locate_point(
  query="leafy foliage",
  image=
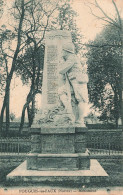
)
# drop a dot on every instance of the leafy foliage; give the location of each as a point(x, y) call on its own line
point(104, 68)
point(1, 7)
point(6, 37)
point(27, 62)
point(12, 116)
point(66, 20)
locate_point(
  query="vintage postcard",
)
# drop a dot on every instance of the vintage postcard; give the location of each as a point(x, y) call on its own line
point(61, 105)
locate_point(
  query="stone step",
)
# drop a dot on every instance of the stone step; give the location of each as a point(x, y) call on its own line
point(95, 174)
point(58, 161)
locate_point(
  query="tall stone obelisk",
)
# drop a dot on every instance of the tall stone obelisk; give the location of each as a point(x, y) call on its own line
point(53, 52)
point(54, 42)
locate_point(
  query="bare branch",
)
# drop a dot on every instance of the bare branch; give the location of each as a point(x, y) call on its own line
point(32, 14)
point(109, 18)
point(22, 47)
point(18, 43)
point(13, 27)
point(30, 38)
point(43, 9)
point(46, 25)
point(28, 21)
point(11, 50)
point(100, 18)
point(17, 8)
point(44, 31)
point(9, 56)
point(35, 5)
point(6, 63)
point(27, 3)
point(117, 13)
point(52, 11)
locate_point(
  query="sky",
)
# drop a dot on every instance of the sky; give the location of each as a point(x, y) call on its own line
point(89, 26)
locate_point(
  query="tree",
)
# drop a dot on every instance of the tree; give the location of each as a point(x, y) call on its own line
point(19, 13)
point(65, 20)
point(30, 66)
point(104, 68)
point(33, 58)
point(115, 22)
point(6, 36)
point(24, 35)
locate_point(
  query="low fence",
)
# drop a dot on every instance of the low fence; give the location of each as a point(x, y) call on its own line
point(15, 145)
point(98, 142)
point(105, 141)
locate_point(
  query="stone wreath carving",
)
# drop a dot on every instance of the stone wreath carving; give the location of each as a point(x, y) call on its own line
point(55, 116)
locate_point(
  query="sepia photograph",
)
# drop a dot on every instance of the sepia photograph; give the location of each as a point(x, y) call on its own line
point(61, 97)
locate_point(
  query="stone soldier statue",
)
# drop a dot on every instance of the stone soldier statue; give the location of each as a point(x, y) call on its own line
point(73, 80)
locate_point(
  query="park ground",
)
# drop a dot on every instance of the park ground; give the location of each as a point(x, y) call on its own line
point(112, 166)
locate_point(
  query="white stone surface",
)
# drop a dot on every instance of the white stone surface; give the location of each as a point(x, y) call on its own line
point(95, 170)
point(64, 88)
point(53, 51)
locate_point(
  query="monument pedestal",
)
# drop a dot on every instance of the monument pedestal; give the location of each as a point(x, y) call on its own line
point(58, 162)
point(58, 157)
point(58, 148)
point(22, 176)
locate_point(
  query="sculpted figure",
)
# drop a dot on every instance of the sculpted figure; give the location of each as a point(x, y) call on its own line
point(73, 80)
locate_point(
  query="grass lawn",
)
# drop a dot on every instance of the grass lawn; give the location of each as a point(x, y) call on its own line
point(112, 166)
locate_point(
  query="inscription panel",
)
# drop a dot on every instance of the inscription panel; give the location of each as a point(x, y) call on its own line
point(57, 163)
point(57, 143)
point(52, 68)
point(53, 52)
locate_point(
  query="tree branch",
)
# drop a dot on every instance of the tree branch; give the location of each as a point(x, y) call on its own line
point(29, 72)
point(27, 3)
point(100, 46)
point(6, 63)
point(44, 31)
point(17, 8)
point(100, 18)
point(117, 13)
point(113, 21)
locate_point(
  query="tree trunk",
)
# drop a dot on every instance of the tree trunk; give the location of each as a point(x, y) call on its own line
point(5, 105)
point(2, 115)
point(9, 78)
point(116, 122)
point(29, 99)
point(22, 117)
point(7, 108)
point(31, 112)
point(122, 75)
point(116, 108)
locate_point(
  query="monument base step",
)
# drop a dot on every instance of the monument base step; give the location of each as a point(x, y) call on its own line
point(22, 175)
point(69, 161)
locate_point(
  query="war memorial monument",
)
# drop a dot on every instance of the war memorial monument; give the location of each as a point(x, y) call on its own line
point(58, 134)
